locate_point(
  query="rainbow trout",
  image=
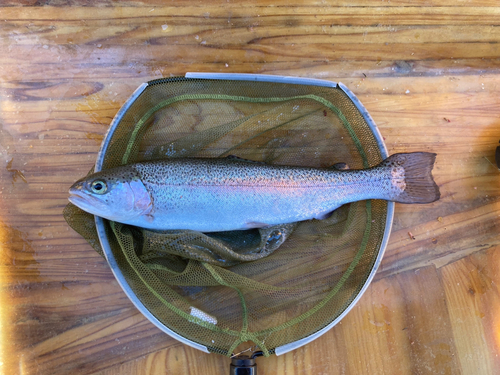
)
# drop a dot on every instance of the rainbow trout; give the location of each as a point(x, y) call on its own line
point(210, 195)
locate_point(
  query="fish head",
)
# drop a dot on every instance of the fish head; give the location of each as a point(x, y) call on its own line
point(116, 194)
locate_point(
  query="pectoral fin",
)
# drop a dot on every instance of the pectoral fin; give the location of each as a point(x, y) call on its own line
point(340, 166)
point(256, 224)
point(324, 215)
point(237, 158)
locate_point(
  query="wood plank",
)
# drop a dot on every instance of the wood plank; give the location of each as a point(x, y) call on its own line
point(396, 15)
point(468, 285)
point(257, 3)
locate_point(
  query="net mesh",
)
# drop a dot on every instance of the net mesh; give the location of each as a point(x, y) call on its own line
point(272, 286)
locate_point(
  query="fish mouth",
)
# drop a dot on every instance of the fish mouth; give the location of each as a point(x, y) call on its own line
point(84, 201)
point(91, 204)
point(79, 201)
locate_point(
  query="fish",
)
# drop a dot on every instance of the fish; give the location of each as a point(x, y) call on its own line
point(225, 194)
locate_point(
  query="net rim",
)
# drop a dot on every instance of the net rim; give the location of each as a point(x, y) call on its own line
point(241, 77)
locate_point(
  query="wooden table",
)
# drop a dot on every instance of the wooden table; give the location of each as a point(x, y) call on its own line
point(428, 75)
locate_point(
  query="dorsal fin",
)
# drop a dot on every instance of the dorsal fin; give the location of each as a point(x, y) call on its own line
point(237, 158)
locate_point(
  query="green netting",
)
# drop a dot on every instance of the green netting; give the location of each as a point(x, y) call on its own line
point(272, 286)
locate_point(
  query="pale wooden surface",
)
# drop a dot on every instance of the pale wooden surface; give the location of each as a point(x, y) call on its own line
point(434, 307)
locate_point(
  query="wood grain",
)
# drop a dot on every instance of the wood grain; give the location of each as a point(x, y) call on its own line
point(428, 75)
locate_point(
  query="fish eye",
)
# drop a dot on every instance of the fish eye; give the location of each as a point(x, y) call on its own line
point(99, 187)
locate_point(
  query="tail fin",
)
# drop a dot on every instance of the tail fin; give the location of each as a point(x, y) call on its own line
point(419, 184)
